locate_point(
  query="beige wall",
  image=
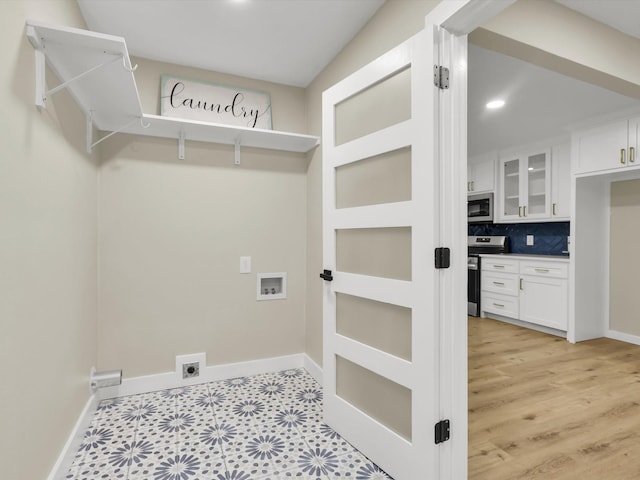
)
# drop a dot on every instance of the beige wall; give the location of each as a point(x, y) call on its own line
point(172, 233)
point(47, 253)
point(288, 103)
point(624, 258)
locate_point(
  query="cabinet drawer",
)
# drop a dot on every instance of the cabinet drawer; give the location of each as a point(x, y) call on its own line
point(544, 269)
point(497, 283)
point(499, 265)
point(499, 304)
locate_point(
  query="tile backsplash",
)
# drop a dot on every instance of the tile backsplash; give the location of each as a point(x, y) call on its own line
point(549, 238)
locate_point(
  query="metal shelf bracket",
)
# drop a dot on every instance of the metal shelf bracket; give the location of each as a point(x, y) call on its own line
point(237, 152)
point(41, 56)
point(181, 146)
point(89, 140)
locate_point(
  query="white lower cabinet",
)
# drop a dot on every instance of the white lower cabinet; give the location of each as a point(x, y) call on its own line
point(530, 290)
point(543, 301)
point(499, 286)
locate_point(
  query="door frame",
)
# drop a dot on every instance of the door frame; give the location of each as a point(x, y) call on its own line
point(459, 18)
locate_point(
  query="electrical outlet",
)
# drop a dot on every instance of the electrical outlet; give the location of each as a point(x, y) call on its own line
point(190, 370)
point(530, 240)
point(188, 366)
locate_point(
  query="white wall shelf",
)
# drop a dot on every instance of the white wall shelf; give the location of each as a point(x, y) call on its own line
point(169, 127)
point(96, 70)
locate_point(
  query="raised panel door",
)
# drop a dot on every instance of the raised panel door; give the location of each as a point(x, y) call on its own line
point(544, 301)
point(602, 148)
point(481, 174)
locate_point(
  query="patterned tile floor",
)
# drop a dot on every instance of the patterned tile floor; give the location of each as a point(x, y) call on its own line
point(264, 427)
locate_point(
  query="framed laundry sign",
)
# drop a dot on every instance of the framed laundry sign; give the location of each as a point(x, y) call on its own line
point(208, 102)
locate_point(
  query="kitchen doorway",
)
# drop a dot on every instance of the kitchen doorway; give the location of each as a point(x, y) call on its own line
point(517, 374)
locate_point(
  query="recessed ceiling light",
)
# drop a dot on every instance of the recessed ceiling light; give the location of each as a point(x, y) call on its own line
point(493, 104)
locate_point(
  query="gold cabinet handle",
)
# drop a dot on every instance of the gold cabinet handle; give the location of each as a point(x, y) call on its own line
point(622, 155)
point(499, 283)
point(498, 266)
point(553, 209)
point(542, 270)
point(521, 285)
point(632, 154)
point(524, 211)
point(519, 211)
point(498, 305)
point(468, 186)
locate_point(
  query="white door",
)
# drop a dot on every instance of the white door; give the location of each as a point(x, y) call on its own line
point(382, 219)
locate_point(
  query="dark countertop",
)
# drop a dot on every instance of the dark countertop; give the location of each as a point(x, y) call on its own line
point(556, 258)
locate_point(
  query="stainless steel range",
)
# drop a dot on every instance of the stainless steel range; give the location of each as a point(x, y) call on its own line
point(475, 246)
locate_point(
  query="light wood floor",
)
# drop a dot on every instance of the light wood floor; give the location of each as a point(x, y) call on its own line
point(542, 408)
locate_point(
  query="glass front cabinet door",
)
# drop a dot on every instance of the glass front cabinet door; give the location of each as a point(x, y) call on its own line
point(525, 187)
point(511, 188)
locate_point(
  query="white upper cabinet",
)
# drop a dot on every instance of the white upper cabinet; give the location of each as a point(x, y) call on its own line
point(481, 173)
point(607, 147)
point(524, 187)
point(561, 182)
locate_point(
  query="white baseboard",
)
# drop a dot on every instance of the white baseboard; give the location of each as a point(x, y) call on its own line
point(65, 459)
point(162, 381)
point(623, 337)
point(530, 326)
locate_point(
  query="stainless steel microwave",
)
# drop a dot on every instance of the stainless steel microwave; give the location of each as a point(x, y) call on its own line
point(480, 208)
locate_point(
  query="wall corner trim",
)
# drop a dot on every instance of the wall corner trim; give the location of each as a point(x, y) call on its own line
point(65, 459)
point(313, 368)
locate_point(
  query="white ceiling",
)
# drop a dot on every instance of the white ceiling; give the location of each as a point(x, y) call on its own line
point(291, 41)
point(540, 103)
point(282, 41)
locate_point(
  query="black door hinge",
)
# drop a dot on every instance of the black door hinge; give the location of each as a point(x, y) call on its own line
point(441, 77)
point(326, 275)
point(443, 257)
point(442, 431)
